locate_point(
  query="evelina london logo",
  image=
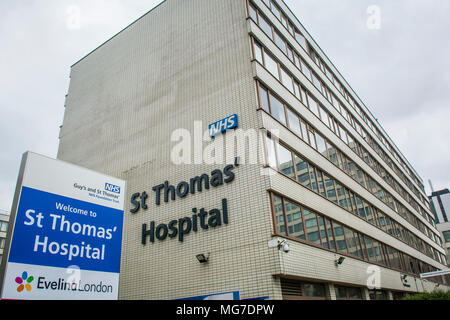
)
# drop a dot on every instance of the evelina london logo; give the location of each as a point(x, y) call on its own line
point(24, 282)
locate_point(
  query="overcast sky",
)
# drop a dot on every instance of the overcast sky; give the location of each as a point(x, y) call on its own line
point(399, 67)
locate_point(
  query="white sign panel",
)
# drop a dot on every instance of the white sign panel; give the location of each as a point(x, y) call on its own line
point(67, 234)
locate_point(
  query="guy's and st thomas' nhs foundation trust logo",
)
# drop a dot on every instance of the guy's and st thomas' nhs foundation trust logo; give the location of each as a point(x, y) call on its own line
point(112, 188)
point(24, 282)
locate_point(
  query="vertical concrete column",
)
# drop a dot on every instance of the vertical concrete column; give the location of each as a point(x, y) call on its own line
point(390, 296)
point(365, 293)
point(331, 292)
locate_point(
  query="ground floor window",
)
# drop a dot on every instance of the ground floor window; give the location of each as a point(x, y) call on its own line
point(298, 290)
point(348, 293)
point(378, 295)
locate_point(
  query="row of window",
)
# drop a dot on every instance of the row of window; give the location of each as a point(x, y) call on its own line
point(290, 83)
point(295, 167)
point(297, 222)
point(289, 118)
point(290, 27)
point(293, 290)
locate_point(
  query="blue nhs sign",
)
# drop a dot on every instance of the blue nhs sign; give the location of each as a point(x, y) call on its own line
point(112, 188)
point(223, 125)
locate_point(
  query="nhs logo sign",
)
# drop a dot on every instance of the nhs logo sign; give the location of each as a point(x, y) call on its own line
point(112, 188)
point(223, 125)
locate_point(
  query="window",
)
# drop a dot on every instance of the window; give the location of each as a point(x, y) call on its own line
point(301, 40)
point(2, 243)
point(294, 123)
point(351, 244)
point(313, 105)
point(285, 161)
point(258, 53)
point(339, 236)
point(287, 80)
point(278, 215)
point(377, 295)
point(271, 159)
point(304, 131)
point(280, 42)
point(311, 227)
point(305, 69)
point(315, 290)
point(445, 233)
point(321, 146)
point(264, 96)
point(271, 65)
point(323, 232)
point(295, 290)
point(277, 109)
point(302, 171)
point(329, 187)
point(265, 26)
point(3, 226)
point(253, 13)
point(294, 220)
point(348, 293)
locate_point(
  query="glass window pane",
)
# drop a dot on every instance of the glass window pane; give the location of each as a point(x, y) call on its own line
point(330, 190)
point(258, 53)
point(278, 215)
point(277, 109)
point(339, 236)
point(311, 227)
point(341, 292)
point(253, 13)
point(354, 293)
point(313, 105)
point(341, 195)
point(312, 141)
point(285, 161)
point(275, 11)
point(287, 80)
point(294, 123)
point(271, 158)
point(304, 96)
point(314, 290)
point(320, 183)
point(316, 82)
point(305, 70)
point(304, 131)
point(280, 42)
point(265, 26)
point(264, 96)
point(333, 156)
point(369, 249)
point(301, 40)
point(351, 244)
point(312, 175)
point(360, 207)
point(323, 233)
point(321, 146)
point(271, 65)
point(294, 220)
point(330, 234)
point(302, 171)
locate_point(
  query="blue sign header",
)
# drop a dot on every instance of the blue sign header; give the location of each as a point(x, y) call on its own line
point(57, 231)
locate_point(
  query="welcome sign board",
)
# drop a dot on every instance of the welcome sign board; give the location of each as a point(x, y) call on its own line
point(67, 233)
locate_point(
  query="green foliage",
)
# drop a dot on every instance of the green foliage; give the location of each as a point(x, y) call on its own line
point(435, 295)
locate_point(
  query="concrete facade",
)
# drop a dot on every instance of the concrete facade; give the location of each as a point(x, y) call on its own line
point(184, 65)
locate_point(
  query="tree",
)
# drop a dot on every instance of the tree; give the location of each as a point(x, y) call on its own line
point(435, 295)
